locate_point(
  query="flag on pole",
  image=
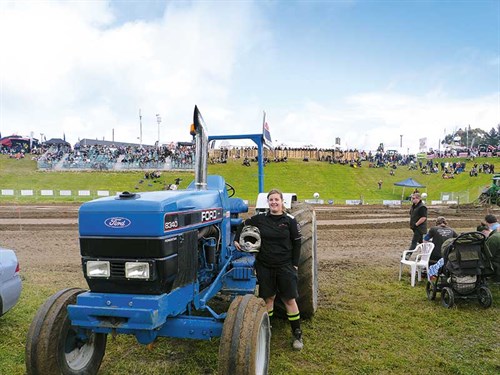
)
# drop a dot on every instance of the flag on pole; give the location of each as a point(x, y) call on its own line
point(266, 134)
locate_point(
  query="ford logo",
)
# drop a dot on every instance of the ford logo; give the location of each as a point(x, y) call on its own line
point(117, 222)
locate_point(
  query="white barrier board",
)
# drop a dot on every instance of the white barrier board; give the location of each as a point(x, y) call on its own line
point(353, 201)
point(388, 202)
point(314, 201)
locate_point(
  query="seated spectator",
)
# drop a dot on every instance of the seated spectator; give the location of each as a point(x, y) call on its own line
point(437, 235)
point(492, 247)
point(492, 222)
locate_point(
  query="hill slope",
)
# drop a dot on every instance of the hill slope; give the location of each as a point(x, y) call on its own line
point(332, 181)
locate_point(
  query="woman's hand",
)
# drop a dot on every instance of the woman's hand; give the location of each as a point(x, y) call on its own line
point(237, 245)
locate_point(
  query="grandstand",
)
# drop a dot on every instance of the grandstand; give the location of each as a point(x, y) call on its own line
point(90, 154)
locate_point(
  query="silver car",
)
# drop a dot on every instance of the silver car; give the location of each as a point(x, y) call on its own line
point(10, 280)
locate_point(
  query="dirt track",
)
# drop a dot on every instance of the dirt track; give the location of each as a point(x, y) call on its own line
point(46, 238)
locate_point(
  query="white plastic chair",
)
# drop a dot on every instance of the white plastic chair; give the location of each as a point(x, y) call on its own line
point(418, 260)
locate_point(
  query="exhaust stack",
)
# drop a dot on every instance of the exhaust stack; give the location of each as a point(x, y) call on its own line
point(198, 130)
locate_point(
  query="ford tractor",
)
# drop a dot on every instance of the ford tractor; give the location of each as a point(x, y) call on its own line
point(154, 262)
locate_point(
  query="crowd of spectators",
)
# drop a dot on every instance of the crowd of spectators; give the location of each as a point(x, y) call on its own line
point(105, 157)
point(181, 156)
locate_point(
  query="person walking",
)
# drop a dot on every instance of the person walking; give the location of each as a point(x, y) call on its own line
point(277, 261)
point(418, 220)
point(379, 184)
point(437, 235)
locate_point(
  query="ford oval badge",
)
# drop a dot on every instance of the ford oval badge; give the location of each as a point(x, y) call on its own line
point(117, 222)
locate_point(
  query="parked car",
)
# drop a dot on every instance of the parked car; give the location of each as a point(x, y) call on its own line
point(10, 280)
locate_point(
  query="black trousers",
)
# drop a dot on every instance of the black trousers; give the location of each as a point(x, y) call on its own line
point(416, 239)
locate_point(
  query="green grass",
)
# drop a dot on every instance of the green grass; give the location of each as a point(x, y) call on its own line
point(378, 327)
point(335, 182)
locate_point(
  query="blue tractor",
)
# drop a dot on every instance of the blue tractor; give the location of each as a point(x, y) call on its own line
point(153, 261)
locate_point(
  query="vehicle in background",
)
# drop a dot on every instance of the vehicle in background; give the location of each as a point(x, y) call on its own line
point(10, 280)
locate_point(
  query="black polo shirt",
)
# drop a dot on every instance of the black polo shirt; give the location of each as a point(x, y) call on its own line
point(280, 239)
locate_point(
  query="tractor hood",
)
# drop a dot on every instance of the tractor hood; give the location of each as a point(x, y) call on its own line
point(150, 214)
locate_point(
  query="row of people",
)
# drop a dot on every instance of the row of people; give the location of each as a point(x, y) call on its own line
point(441, 231)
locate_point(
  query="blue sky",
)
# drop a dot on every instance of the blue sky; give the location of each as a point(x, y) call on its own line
point(365, 71)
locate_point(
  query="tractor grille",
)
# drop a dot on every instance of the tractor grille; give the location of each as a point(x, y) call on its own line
point(173, 265)
point(117, 269)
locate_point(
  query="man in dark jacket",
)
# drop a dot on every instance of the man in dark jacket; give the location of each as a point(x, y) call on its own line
point(418, 220)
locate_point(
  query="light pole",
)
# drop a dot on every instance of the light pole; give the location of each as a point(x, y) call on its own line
point(158, 120)
point(140, 128)
point(401, 141)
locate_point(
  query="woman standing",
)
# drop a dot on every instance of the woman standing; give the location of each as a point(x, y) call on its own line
point(277, 261)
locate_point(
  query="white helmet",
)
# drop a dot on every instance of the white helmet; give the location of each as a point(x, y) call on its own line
point(250, 239)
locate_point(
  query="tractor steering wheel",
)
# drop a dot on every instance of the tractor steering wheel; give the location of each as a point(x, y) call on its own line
point(230, 190)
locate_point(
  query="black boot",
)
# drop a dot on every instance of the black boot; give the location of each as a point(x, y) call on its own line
point(297, 342)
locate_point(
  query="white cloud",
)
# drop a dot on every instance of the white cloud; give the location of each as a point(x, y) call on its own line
point(67, 71)
point(366, 120)
point(68, 68)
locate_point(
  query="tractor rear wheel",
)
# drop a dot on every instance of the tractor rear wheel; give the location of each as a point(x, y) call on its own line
point(308, 264)
point(53, 346)
point(246, 336)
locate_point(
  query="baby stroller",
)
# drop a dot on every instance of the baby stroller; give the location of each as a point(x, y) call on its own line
point(463, 271)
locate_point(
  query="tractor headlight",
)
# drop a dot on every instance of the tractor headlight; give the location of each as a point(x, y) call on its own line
point(137, 270)
point(98, 268)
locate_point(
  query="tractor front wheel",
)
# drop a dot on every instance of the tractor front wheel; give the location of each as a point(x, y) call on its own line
point(53, 346)
point(245, 339)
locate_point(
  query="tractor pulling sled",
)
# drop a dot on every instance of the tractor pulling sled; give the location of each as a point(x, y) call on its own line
point(153, 262)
